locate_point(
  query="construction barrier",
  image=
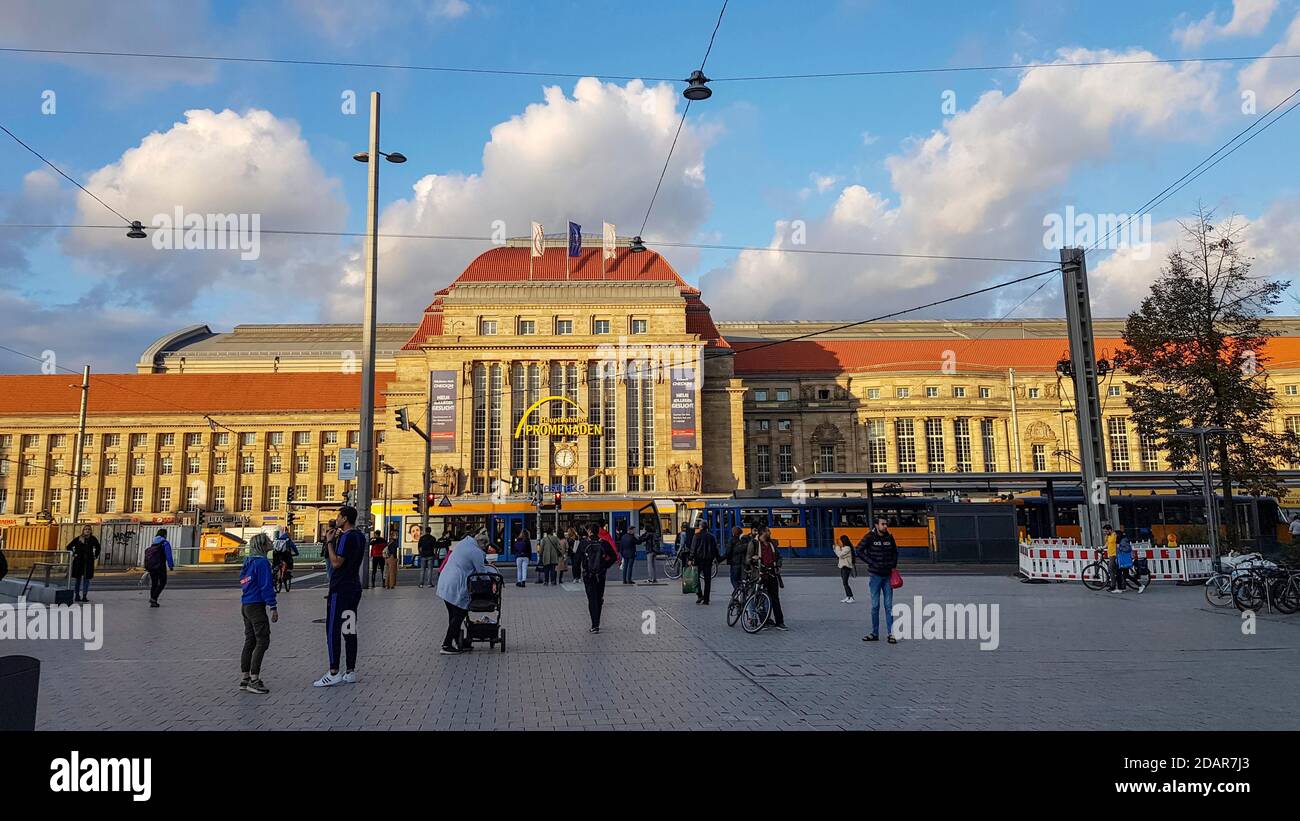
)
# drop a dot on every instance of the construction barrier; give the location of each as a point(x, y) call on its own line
point(1064, 560)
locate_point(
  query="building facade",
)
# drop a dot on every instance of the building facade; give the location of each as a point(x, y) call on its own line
point(595, 375)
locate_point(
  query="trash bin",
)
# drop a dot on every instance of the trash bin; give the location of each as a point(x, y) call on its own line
point(20, 679)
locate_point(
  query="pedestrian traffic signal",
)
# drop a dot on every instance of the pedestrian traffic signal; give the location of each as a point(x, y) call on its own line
point(403, 423)
point(559, 497)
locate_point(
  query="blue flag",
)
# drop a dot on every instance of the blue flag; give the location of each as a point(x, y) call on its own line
point(575, 239)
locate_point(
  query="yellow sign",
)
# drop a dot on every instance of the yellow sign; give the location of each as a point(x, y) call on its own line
point(556, 427)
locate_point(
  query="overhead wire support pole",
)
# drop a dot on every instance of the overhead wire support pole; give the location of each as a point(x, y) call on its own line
point(1087, 402)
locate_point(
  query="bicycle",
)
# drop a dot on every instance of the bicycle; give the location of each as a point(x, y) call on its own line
point(281, 577)
point(673, 567)
point(1096, 574)
point(758, 608)
point(736, 604)
point(1275, 586)
point(1218, 588)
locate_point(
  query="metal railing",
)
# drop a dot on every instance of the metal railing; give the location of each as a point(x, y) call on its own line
point(49, 568)
point(25, 559)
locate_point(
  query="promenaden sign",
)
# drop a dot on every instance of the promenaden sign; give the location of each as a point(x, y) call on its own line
point(570, 426)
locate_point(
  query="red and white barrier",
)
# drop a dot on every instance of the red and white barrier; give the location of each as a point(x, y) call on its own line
point(1064, 560)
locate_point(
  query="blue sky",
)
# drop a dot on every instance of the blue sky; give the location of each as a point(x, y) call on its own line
point(867, 163)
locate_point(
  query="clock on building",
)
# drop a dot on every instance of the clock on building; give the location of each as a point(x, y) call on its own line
point(565, 458)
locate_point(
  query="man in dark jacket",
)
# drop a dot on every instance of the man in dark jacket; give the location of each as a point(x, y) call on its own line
point(85, 552)
point(879, 550)
point(595, 557)
point(734, 555)
point(428, 547)
point(627, 545)
point(682, 547)
point(704, 552)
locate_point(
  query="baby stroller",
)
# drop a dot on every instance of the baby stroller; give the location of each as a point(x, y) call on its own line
point(484, 620)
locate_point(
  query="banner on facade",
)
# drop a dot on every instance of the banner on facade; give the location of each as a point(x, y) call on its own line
point(682, 408)
point(442, 406)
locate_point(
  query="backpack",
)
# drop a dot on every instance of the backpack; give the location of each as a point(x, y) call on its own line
point(154, 558)
point(593, 561)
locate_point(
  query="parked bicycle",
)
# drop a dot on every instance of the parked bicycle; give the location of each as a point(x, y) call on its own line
point(1275, 587)
point(1218, 588)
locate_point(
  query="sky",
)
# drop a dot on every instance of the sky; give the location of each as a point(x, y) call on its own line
point(973, 163)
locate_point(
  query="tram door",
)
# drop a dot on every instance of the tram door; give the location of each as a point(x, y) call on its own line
point(721, 521)
point(821, 528)
point(505, 528)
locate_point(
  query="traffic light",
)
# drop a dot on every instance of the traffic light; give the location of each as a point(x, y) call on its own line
point(559, 498)
point(430, 499)
point(288, 495)
point(200, 517)
point(403, 423)
point(415, 500)
point(516, 484)
point(289, 519)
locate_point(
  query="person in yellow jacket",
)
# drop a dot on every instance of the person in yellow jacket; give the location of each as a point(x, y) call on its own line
point(1112, 553)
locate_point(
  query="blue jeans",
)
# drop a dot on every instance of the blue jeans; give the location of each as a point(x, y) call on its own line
point(628, 563)
point(737, 576)
point(81, 586)
point(880, 584)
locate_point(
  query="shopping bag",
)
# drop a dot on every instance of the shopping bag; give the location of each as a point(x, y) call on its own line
point(691, 580)
point(895, 579)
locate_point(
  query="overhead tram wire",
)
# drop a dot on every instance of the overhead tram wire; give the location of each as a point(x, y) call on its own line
point(888, 72)
point(680, 123)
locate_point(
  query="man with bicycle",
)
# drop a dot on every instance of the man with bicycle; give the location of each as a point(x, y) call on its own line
point(763, 555)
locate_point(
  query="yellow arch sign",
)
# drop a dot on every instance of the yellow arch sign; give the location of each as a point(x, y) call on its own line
point(556, 427)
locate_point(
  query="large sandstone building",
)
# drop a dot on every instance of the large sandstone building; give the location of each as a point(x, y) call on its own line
point(655, 399)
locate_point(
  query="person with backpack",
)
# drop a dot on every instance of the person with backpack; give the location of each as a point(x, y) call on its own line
point(258, 594)
point(704, 550)
point(1123, 561)
point(844, 560)
point(85, 552)
point(522, 550)
point(378, 544)
point(880, 552)
point(596, 556)
point(549, 554)
point(347, 561)
point(428, 549)
point(282, 553)
point(763, 553)
point(157, 561)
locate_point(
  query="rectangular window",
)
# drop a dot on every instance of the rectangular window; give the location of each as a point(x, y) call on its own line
point(6, 441)
point(959, 393)
point(166, 440)
point(302, 463)
point(931, 393)
point(58, 440)
point(331, 465)
point(785, 463)
point(1117, 428)
point(112, 440)
point(276, 438)
point(765, 424)
point(873, 393)
point(990, 448)
point(1114, 390)
point(110, 500)
point(137, 466)
point(164, 500)
point(527, 327)
point(247, 439)
point(273, 497)
point(88, 442)
point(55, 505)
point(563, 327)
point(219, 465)
point(165, 466)
point(4, 500)
point(902, 393)
point(600, 326)
point(783, 424)
point(1291, 390)
point(1039, 454)
point(961, 434)
point(487, 327)
point(760, 396)
point(934, 445)
point(1149, 451)
point(327, 493)
point(300, 492)
point(29, 500)
point(29, 440)
point(302, 438)
point(331, 437)
point(1033, 393)
point(763, 455)
point(823, 394)
point(985, 393)
point(877, 446)
point(193, 440)
point(826, 459)
point(639, 326)
point(247, 464)
point(488, 386)
point(245, 498)
point(137, 500)
point(218, 500)
point(905, 442)
point(192, 465)
point(110, 466)
point(222, 439)
point(783, 395)
point(273, 464)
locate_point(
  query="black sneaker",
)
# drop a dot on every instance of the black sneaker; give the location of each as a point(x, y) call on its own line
point(593, 629)
point(872, 637)
point(449, 651)
point(243, 683)
point(256, 686)
point(780, 627)
point(154, 604)
point(892, 640)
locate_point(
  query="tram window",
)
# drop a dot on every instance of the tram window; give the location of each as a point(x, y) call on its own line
point(903, 516)
point(784, 517)
point(1067, 515)
point(753, 517)
point(1184, 513)
point(1140, 514)
point(854, 517)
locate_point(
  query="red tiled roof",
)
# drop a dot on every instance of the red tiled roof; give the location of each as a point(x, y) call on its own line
point(512, 265)
point(700, 321)
point(838, 355)
point(199, 393)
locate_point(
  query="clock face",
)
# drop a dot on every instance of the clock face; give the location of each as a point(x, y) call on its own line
point(564, 458)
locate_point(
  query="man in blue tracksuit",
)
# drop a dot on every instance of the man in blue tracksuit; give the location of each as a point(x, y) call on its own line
point(157, 561)
point(345, 595)
point(258, 596)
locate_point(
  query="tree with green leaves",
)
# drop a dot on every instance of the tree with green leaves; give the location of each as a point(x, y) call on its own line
point(1195, 352)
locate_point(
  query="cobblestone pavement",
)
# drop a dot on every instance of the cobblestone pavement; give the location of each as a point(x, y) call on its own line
point(1067, 658)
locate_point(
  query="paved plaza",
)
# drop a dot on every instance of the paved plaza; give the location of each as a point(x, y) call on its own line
point(1067, 659)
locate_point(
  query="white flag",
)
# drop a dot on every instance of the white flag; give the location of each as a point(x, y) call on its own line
point(539, 240)
point(610, 240)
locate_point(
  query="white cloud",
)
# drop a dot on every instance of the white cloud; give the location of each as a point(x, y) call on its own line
point(39, 202)
point(979, 186)
point(109, 339)
point(589, 158)
point(1271, 81)
point(868, 138)
point(345, 23)
point(1249, 18)
point(823, 182)
point(213, 163)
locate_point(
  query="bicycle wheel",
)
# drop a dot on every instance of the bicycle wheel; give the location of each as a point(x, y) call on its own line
point(673, 569)
point(288, 581)
point(1095, 576)
point(714, 574)
point(756, 612)
point(1218, 591)
point(1286, 595)
point(734, 608)
point(1248, 593)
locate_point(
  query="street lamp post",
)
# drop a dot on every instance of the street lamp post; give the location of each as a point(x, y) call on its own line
point(366, 454)
point(1207, 486)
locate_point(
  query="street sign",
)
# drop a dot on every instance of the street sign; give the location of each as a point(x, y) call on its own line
point(347, 464)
